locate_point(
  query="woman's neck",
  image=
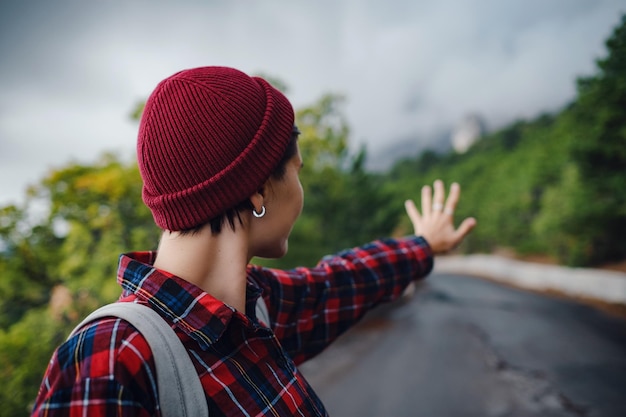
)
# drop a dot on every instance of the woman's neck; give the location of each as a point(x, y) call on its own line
point(215, 263)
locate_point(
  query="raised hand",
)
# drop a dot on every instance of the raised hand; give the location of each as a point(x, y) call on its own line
point(436, 221)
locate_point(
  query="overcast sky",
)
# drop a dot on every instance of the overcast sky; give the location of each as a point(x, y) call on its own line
point(71, 71)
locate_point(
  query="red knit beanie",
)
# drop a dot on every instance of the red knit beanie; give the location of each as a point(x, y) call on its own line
point(208, 139)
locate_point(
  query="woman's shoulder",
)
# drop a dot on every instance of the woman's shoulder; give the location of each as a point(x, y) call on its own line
point(107, 363)
point(105, 347)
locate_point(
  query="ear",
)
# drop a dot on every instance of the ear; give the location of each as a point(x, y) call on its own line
point(257, 200)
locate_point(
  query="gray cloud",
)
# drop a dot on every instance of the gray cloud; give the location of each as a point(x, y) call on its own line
point(71, 71)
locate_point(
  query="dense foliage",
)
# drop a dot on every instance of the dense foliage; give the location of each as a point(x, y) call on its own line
point(554, 186)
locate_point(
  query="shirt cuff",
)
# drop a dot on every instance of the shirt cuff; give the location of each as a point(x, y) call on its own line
point(422, 251)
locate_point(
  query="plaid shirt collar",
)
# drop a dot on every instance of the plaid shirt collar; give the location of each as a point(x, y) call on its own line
point(200, 315)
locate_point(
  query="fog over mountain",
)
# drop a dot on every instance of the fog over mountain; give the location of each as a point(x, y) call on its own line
point(411, 70)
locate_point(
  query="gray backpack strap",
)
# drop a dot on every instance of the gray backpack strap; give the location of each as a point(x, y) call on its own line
point(261, 312)
point(180, 391)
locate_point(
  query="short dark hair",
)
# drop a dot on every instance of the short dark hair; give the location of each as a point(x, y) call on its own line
point(217, 222)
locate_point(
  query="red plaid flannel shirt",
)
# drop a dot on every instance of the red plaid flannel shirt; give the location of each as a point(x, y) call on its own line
point(107, 369)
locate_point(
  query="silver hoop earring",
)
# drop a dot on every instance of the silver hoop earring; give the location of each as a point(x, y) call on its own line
point(261, 214)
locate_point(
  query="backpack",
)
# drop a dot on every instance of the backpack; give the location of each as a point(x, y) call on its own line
point(179, 394)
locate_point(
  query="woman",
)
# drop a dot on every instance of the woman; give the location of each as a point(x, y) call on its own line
point(219, 159)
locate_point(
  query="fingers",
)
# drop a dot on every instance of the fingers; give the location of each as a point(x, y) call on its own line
point(435, 220)
point(438, 196)
point(453, 199)
point(464, 228)
point(413, 213)
point(434, 201)
point(426, 201)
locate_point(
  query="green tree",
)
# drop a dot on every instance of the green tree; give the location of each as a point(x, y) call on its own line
point(25, 350)
point(99, 206)
point(599, 151)
point(583, 214)
point(553, 185)
point(27, 259)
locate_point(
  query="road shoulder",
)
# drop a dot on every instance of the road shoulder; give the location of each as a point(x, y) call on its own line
point(603, 288)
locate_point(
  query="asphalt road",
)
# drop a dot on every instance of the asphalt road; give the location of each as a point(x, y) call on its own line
point(464, 346)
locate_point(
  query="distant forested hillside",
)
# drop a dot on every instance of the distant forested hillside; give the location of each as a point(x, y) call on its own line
point(555, 185)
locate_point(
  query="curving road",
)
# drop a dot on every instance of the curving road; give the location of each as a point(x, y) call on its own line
point(464, 346)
